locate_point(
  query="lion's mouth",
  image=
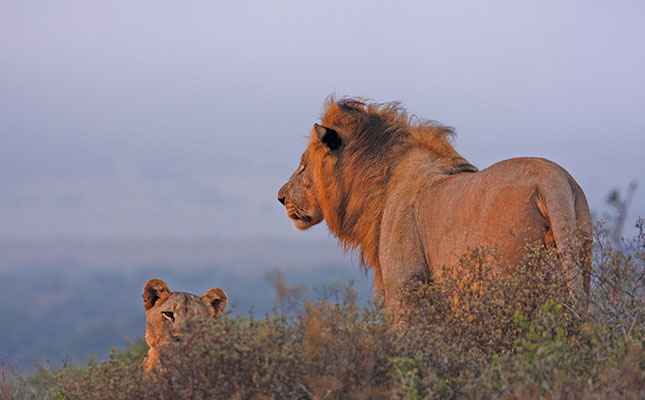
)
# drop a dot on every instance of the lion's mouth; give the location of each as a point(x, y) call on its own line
point(306, 218)
point(295, 216)
point(300, 222)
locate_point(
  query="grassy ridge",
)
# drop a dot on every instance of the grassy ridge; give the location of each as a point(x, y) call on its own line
point(480, 333)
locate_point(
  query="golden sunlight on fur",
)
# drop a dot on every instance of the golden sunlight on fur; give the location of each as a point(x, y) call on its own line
point(167, 313)
point(396, 190)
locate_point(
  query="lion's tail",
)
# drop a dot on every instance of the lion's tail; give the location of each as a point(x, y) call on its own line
point(585, 236)
point(570, 228)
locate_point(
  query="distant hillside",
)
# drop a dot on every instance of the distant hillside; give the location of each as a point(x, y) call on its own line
point(244, 255)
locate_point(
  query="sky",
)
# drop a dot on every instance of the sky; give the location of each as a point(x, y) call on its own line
point(183, 119)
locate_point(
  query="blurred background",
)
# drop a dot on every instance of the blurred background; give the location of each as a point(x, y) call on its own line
point(149, 139)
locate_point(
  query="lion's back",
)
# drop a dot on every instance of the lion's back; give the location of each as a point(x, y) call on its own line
point(497, 207)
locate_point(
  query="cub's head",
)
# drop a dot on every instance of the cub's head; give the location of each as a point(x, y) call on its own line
point(167, 314)
point(300, 195)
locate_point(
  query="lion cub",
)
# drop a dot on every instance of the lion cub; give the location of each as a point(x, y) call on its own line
point(167, 313)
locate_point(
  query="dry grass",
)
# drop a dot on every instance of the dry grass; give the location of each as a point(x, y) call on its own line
point(481, 333)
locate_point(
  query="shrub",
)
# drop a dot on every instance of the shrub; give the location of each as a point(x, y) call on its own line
point(482, 332)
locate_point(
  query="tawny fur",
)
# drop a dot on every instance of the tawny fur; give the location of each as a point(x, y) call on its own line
point(397, 191)
point(167, 313)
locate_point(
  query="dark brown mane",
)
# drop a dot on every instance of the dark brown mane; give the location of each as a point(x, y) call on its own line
point(376, 138)
point(378, 126)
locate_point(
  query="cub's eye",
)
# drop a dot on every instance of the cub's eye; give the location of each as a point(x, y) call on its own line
point(302, 168)
point(169, 315)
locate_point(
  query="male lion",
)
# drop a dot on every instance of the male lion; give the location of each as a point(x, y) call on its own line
point(167, 313)
point(398, 191)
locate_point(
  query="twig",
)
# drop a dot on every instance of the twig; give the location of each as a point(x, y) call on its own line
point(571, 309)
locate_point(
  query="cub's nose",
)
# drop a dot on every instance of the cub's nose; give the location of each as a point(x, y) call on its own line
point(281, 200)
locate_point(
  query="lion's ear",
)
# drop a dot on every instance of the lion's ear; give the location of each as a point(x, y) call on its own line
point(215, 300)
point(155, 290)
point(329, 137)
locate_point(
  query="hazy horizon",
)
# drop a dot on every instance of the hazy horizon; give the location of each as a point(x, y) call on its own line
point(156, 119)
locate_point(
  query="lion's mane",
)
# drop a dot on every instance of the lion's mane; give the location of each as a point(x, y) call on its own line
point(354, 190)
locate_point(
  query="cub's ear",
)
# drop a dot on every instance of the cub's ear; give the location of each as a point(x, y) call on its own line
point(155, 291)
point(329, 137)
point(215, 300)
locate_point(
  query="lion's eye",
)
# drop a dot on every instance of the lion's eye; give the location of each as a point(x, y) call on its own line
point(302, 168)
point(169, 315)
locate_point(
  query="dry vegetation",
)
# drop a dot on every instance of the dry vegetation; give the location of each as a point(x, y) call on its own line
point(479, 334)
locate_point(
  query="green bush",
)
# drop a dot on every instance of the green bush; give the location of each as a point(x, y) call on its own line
point(483, 332)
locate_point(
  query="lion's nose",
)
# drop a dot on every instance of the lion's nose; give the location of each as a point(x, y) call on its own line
point(282, 196)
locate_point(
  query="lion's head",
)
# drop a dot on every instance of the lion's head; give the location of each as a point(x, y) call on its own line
point(167, 314)
point(347, 168)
